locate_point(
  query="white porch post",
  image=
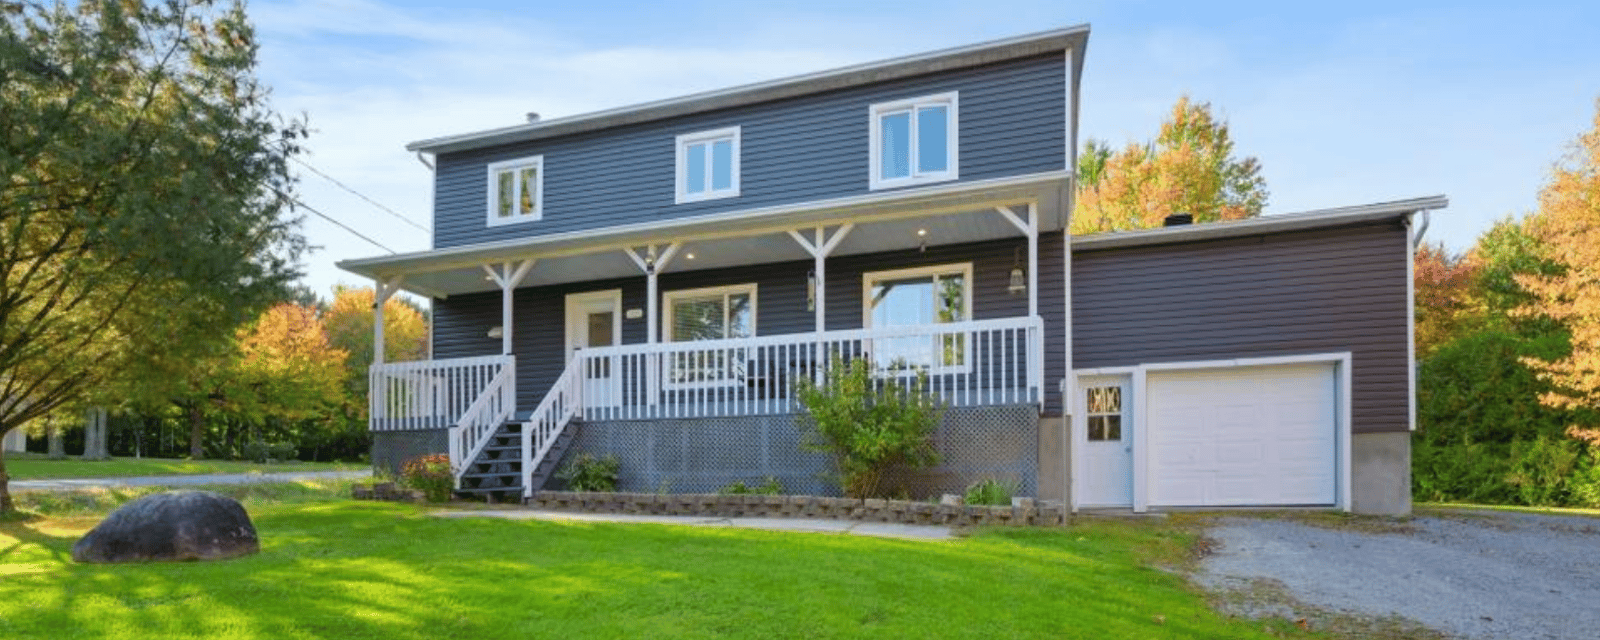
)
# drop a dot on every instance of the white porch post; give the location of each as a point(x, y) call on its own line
point(508, 276)
point(820, 249)
point(652, 264)
point(382, 290)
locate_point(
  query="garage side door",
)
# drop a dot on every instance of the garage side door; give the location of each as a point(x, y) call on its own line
point(1242, 436)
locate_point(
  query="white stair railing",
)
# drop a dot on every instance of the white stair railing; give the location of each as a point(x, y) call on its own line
point(549, 419)
point(482, 418)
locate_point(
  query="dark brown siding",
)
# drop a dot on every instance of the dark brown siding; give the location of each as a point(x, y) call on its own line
point(462, 322)
point(1322, 291)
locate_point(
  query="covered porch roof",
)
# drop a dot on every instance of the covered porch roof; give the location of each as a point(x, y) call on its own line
point(944, 214)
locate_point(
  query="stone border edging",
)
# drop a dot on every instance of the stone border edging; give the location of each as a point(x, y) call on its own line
point(1024, 513)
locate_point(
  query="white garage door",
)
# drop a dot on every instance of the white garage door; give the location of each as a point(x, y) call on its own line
point(1242, 436)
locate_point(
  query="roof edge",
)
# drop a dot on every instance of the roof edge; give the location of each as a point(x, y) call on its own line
point(1074, 37)
point(1275, 223)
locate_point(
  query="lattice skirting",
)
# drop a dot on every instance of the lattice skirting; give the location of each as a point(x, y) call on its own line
point(705, 455)
point(391, 449)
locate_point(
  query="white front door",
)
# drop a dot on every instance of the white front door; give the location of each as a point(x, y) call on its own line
point(594, 319)
point(1105, 431)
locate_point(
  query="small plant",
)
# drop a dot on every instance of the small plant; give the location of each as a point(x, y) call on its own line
point(990, 491)
point(589, 473)
point(431, 475)
point(769, 487)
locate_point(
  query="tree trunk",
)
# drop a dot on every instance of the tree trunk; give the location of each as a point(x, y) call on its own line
point(95, 436)
point(6, 507)
point(197, 426)
point(58, 447)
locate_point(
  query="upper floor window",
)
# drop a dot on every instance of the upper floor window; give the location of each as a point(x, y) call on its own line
point(914, 141)
point(708, 165)
point(516, 190)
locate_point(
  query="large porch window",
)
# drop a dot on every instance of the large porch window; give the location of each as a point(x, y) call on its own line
point(920, 296)
point(714, 313)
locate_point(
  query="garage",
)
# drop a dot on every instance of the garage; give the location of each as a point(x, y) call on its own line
point(1243, 436)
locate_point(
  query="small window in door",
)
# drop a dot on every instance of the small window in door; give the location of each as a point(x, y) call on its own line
point(1105, 413)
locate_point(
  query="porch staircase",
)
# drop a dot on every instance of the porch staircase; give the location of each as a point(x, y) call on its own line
point(496, 473)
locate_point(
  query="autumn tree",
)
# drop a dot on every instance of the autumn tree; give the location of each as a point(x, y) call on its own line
point(1190, 167)
point(1567, 225)
point(144, 209)
point(349, 325)
point(286, 370)
point(1442, 284)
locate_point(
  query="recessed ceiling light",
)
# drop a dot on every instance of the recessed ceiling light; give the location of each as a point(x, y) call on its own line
point(690, 256)
point(922, 232)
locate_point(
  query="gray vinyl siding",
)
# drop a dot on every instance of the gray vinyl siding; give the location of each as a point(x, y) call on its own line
point(1012, 120)
point(1322, 291)
point(462, 322)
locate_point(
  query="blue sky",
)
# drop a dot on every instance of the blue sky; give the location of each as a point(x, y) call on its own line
point(1344, 103)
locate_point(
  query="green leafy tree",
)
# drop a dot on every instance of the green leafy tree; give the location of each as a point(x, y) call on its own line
point(1190, 167)
point(145, 206)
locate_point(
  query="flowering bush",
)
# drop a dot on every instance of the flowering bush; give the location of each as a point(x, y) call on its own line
point(431, 475)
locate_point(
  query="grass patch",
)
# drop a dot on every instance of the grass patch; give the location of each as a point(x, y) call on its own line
point(37, 466)
point(1434, 508)
point(338, 568)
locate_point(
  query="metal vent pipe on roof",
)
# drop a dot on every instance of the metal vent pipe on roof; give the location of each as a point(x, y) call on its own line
point(533, 116)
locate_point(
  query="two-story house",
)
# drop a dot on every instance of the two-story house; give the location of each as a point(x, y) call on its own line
point(649, 281)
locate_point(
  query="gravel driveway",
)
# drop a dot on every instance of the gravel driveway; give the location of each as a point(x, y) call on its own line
point(1472, 574)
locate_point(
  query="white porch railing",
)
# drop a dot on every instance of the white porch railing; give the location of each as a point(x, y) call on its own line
point(432, 394)
point(482, 418)
point(547, 421)
point(982, 362)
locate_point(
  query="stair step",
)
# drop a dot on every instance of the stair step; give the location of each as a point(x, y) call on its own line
point(491, 474)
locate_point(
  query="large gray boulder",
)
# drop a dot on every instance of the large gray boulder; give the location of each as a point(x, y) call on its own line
point(172, 526)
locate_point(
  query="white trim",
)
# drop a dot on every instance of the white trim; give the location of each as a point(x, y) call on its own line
point(875, 113)
point(932, 271)
point(493, 197)
point(1412, 238)
point(668, 297)
point(1343, 427)
point(680, 192)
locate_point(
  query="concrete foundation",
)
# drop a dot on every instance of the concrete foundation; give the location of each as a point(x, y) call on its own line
point(1380, 473)
point(1055, 450)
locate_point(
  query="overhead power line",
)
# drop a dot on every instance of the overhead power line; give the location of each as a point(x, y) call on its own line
point(301, 203)
point(358, 194)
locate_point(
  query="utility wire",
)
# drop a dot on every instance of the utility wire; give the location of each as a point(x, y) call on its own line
point(358, 194)
point(301, 203)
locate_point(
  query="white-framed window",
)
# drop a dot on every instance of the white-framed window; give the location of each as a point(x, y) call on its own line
point(708, 165)
point(919, 296)
point(516, 190)
point(1103, 406)
point(711, 313)
point(914, 141)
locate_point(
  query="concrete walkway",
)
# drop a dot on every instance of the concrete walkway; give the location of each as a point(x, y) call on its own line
point(852, 527)
point(73, 484)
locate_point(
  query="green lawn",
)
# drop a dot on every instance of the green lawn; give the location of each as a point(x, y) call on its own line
point(332, 568)
point(35, 466)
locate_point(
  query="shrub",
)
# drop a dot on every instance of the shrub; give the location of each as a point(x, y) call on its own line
point(585, 472)
point(263, 452)
point(769, 487)
point(431, 475)
point(1460, 472)
point(1541, 470)
point(991, 492)
point(870, 424)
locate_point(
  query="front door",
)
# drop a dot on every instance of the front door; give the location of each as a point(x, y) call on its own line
point(594, 319)
point(1106, 424)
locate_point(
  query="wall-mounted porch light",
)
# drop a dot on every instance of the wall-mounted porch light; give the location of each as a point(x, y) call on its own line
point(1019, 278)
point(811, 290)
point(497, 331)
